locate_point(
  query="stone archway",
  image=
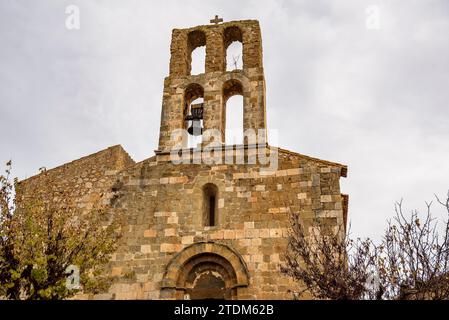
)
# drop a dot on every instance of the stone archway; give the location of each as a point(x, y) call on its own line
point(208, 285)
point(205, 270)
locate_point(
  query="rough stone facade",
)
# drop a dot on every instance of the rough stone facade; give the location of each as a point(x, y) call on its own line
point(197, 230)
point(217, 84)
point(86, 181)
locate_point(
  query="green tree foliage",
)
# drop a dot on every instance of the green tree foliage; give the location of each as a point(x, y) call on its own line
point(39, 241)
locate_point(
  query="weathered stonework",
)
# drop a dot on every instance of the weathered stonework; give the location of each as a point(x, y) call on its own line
point(169, 250)
point(86, 180)
point(217, 84)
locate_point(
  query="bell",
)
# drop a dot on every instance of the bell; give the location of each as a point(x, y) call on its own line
point(195, 128)
point(196, 116)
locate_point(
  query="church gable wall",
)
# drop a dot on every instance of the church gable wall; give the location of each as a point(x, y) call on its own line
point(82, 182)
point(164, 202)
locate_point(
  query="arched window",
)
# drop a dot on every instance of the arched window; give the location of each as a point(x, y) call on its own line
point(196, 44)
point(193, 98)
point(210, 194)
point(233, 46)
point(233, 100)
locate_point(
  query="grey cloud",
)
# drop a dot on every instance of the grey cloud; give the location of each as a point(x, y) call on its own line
point(373, 99)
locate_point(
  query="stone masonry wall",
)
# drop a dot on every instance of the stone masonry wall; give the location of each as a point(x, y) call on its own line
point(180, 49)
point(167, 244)
point(163, 206)
point(85, 181)
point(250, 78)
point(172, 116)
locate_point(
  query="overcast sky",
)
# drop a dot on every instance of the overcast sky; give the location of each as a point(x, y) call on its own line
point(364, 83)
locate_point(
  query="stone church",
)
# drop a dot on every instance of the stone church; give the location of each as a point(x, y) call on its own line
point(200, 223)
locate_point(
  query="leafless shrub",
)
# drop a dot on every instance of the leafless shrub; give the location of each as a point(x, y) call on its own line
point(410, 262)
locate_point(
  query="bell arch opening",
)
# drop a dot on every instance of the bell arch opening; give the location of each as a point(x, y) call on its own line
point(193, 114)
point(196, 56)
point(233, 112)
point(233, 46)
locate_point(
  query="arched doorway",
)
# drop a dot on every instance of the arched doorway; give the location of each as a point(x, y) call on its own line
point(205, 270)
point(208, 285)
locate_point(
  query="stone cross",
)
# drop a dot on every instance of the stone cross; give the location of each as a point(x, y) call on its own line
point(216, 20)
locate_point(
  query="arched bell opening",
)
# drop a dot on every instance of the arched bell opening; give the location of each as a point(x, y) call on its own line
point(233, 112)
point(196, 45)
point(193, 114)
point(233, 46)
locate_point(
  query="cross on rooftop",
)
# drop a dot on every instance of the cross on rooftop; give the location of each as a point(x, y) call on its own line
point(216, 20)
